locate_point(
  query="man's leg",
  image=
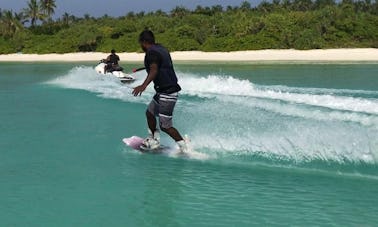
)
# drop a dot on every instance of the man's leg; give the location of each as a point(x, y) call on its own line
point(166, 107)
point(172, 132)
point(153, 139)
point(151, 121)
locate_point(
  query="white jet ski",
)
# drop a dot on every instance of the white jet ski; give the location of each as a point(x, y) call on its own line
point(118, 72)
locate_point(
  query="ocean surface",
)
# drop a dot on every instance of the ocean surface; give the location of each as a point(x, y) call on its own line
point(271, 144)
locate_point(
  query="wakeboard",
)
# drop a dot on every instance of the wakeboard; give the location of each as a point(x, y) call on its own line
point(136, 143)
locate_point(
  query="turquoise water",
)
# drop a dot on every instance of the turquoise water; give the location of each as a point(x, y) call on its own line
point(273, 144)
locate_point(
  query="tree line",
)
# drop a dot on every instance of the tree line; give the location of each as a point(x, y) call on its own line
point(280, 24)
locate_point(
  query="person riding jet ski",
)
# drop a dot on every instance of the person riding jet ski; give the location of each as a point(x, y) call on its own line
point(112, 62)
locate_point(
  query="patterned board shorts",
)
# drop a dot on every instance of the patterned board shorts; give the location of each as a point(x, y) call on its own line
point(162, 106)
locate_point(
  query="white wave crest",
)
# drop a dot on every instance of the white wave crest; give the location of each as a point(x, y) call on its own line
point(219, 85)
point(86, 78)
point(235, 115)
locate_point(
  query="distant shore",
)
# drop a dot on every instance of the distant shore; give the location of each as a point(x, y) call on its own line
point(332, 55)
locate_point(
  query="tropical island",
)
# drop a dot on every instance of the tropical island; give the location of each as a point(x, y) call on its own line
point(281, 24)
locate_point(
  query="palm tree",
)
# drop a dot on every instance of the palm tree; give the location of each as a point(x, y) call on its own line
point(179, 11)
point(33, 12)
point(245, 6)
point(302, 5)
point(66, 18)
point(48, 7)
point(9, 24)
point(20, 17)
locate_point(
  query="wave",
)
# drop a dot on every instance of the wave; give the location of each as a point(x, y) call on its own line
point(210, 85)
point(279, 137)
point(283, 123)
point(85, 78)
point(228, 116)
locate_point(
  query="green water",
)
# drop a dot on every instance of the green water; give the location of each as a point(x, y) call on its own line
point(277, 144)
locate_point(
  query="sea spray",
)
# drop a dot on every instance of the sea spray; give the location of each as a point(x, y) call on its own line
point(222, 114)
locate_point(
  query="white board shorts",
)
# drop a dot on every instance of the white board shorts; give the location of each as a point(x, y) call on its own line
point(162, 106)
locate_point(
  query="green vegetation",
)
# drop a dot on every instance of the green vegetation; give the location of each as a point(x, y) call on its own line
point(281, 24)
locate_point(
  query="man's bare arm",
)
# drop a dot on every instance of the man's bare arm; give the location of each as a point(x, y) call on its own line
point(150, 77)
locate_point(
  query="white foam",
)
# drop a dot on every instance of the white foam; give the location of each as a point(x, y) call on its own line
point(296, 143)
point(215, 86)
point(86, 78)
point(190, 155)
point(299, 124)
point(300, 111)
point(227, 85)
point(236, 116)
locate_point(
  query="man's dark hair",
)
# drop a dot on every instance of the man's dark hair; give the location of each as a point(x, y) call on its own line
point(112, 51)
point(147, 36)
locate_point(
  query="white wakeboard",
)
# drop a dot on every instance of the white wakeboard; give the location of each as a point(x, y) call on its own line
point(136, 142)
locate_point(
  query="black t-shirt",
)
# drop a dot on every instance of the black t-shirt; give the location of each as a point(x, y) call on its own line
point(153, 57)
point(166, 80)
point(113, 58)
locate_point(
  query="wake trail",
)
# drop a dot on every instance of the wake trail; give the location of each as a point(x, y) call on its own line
point(327, 98)
point(227, 115)
point(283, 123)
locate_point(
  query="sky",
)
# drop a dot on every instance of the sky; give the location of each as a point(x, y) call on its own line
point(116, 8)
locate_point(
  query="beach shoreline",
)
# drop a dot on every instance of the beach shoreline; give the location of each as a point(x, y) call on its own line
point(271, 55)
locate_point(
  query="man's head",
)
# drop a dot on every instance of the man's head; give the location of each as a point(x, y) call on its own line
point(112, 51)
point(146, 39)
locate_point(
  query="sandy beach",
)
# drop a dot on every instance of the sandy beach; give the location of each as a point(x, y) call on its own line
point(327, 55)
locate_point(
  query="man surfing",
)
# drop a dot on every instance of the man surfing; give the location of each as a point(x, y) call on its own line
point(159, 67)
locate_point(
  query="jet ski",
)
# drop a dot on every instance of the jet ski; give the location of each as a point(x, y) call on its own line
point(117, 72)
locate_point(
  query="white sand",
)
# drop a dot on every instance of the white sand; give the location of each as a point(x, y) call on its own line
point(338, 55)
